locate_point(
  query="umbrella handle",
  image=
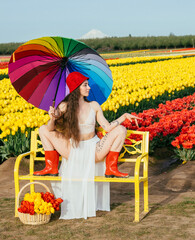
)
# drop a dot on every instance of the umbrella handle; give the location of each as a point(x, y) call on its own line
point(53, 105)
point(14, 57)
point(57, 87)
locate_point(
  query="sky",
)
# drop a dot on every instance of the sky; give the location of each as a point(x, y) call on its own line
point(22, 20)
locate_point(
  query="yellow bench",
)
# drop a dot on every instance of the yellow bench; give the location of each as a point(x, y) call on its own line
point(137, 148)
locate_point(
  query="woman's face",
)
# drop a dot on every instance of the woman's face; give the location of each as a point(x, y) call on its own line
point(84, 89)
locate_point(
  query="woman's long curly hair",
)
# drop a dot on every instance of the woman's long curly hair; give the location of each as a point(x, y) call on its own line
point(67, 123)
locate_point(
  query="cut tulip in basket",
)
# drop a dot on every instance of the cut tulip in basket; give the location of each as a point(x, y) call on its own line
point(37, 207)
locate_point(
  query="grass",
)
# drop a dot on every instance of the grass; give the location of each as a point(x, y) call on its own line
point(184, 208)
point(171, 221)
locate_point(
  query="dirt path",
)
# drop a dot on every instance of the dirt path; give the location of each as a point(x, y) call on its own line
point(169, 185)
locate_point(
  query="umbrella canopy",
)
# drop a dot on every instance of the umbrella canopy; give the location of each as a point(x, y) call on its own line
point(38, 70)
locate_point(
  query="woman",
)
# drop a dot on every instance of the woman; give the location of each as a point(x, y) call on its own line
point(71, 133)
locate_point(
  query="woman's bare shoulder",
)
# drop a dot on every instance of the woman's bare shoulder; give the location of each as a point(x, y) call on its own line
point(95, 105)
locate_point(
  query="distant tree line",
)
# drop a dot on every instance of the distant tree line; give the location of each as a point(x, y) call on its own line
point(124, 43)
point(8, 48)
point(138, 43)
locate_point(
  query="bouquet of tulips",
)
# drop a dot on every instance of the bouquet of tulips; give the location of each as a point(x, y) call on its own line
point(40, 203)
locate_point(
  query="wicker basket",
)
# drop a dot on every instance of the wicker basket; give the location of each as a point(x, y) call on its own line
point(35, 219)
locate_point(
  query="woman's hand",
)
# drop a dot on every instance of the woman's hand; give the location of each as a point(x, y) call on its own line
point(130, 117)
point(54, 113)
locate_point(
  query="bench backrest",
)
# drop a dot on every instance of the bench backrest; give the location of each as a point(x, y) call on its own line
point(136, 143)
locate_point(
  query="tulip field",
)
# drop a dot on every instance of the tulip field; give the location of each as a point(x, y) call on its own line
point(140, 86)
point(160, 90)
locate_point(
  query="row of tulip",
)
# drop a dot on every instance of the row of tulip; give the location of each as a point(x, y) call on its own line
point(16, 113)
point(3, 73)
point(185, 143)
point(3, 65)
point(186, 139)
point(135, 60)
point(123, 61)
point(151, 116)
point(141, 86)
point(17, 119)
point(3, 70)
point(171, 123)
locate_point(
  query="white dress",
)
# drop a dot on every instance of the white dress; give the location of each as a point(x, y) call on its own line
point(82, 197)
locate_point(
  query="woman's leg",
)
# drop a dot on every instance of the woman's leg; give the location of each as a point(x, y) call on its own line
point(110, 146)
point(112, 141)
point(54, 141)
point(54, 144)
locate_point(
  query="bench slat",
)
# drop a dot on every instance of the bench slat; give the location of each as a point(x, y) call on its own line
point(129, 179)
point(96, 179)
point(129, 160)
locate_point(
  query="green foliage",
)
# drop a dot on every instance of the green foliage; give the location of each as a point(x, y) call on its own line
point(2, 76)
point(137, 43)
point(185, 154)
point(14, 145)
point(8, 48)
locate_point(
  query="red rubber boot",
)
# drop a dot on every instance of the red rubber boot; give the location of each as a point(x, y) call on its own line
point(111, 166)
point(51, 162)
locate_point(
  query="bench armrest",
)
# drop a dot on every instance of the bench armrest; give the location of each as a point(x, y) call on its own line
point(18, 160)
point(143, 157)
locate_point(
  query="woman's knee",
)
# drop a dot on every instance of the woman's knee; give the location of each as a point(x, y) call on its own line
point(43, 129)
point(122, 130)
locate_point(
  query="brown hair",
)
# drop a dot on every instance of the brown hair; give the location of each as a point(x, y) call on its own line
point(67, 123)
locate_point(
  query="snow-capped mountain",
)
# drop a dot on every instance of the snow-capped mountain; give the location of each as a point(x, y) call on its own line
point(94, 34)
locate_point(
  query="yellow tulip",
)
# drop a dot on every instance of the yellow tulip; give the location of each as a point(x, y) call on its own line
point(143, 81)
point(13, 132)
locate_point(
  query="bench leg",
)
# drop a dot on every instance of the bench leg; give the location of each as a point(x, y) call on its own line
point(137, 201)
point(17, 189)
point(146, 209)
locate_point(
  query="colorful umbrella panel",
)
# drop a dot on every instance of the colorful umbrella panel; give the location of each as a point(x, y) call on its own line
point(38, 70)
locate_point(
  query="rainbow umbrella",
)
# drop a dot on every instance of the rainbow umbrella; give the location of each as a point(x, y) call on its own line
point(38, 70)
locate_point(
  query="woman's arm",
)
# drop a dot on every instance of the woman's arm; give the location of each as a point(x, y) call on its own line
point(51, 125)
point(54, 115)
point(109, 126)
